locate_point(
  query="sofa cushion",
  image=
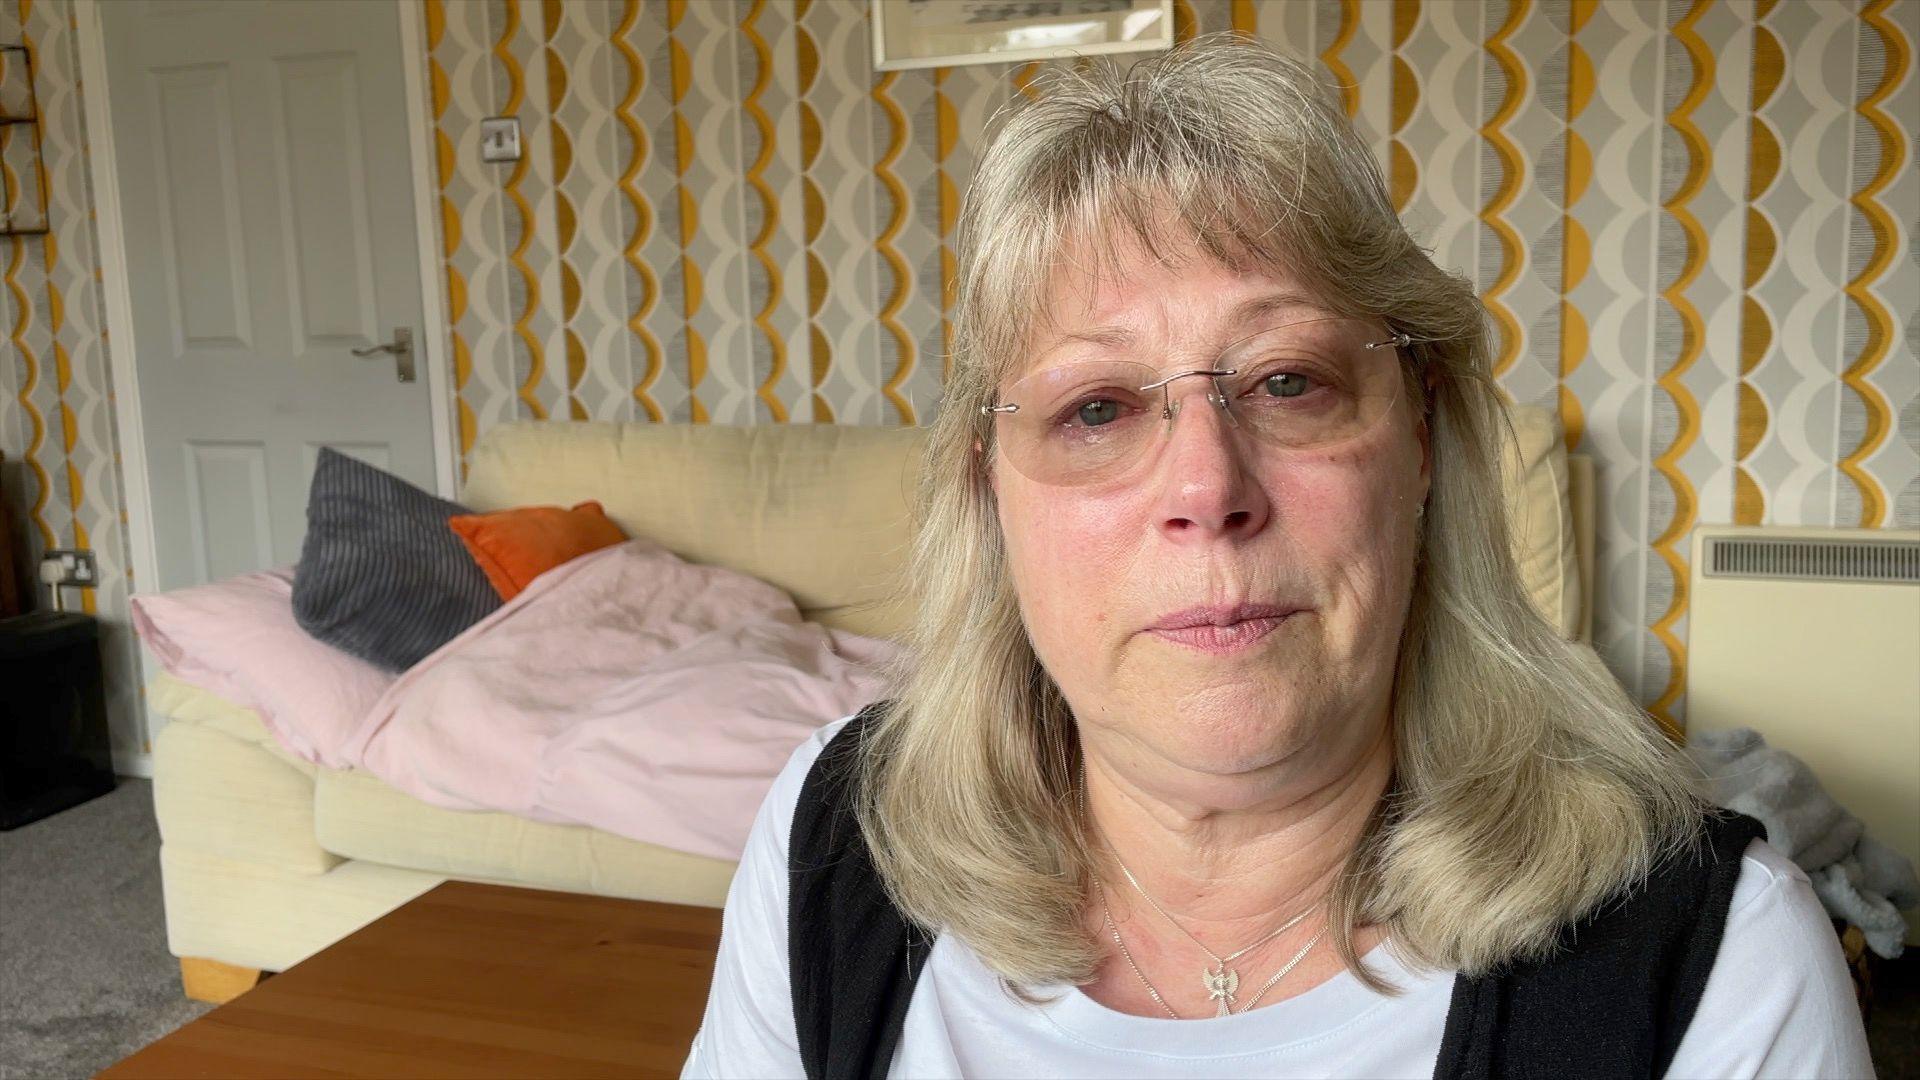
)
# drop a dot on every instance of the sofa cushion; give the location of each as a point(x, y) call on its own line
point(359, 816)
point(1580, 479)
point(824, 512)
point(818, 510)
point(515, 546)
point(1540, 517)
point(381, 576)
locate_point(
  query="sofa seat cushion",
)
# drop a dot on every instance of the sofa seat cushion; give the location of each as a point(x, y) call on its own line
point(359, 816)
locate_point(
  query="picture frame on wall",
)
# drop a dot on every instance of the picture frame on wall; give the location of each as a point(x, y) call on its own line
point(944, 33)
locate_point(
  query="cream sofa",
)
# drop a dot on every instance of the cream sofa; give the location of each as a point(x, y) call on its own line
point(267, 859)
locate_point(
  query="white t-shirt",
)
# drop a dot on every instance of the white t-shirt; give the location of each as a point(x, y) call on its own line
point(1777, 1003)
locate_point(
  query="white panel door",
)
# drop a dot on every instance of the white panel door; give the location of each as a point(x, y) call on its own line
point(262, 157)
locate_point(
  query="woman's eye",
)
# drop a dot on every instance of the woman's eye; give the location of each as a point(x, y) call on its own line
point(1096, 413)
point(1286, 384)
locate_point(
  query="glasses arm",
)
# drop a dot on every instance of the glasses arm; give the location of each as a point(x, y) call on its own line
point(1398, 339)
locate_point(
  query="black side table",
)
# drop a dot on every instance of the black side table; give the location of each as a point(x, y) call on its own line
point(54, 750)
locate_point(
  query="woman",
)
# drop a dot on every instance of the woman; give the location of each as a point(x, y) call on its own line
point(1231, 743)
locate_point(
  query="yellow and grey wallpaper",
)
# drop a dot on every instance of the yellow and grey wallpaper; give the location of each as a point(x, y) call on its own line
point(1692, 220)
point(56, 395)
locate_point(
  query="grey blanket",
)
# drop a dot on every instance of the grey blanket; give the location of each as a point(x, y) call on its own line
point(1858, 879)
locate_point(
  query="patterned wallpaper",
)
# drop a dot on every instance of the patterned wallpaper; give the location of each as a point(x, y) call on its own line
point(56, 397)
point(1693, 221)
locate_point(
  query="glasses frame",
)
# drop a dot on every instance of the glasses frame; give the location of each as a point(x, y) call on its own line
point(1395, 339)
point(1398, 339)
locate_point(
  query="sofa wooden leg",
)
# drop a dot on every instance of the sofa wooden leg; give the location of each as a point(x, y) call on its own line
point(214, 982)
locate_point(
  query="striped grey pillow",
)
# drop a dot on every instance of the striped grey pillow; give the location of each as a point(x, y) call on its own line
point(381, 575)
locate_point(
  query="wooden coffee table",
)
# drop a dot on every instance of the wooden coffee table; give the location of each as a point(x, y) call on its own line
point(469, 981)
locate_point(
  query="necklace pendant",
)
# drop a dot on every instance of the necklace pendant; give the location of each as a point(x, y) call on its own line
point(1222, 983)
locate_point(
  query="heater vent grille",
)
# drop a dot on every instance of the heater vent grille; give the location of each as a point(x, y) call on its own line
point(1886, 561)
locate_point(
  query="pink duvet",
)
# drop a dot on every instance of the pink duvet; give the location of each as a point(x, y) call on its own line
point(238, 639)
point(627, 690)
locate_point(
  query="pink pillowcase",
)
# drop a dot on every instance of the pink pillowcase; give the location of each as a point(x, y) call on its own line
point(237, 639)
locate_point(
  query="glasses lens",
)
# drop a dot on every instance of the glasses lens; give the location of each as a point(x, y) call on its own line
point(1302, 385)
point(1080, 423)
point(1309, 385)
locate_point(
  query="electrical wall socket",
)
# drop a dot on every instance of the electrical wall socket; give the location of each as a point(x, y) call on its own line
point(500, 138)
point(70, 566)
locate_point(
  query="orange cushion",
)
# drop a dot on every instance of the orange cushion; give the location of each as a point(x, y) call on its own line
point(516, 546)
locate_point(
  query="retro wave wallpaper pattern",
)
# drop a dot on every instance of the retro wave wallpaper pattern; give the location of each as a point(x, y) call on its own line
point(56, 395)
point(1693, 222)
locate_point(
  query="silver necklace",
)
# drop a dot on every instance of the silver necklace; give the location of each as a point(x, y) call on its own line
point(1221, 982)
point(1106, 914)
point(1288, 966)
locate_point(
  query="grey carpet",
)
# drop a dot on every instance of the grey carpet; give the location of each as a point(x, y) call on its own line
point(85, 976)
point(86, 979)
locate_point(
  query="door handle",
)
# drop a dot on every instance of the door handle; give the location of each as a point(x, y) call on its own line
point(402, 349)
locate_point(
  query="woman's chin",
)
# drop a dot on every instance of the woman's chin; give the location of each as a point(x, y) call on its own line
point(1231, 734)
point(1233, 723)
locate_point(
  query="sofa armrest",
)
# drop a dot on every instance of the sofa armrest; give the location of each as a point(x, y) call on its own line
point(1580, 498)
point(222, 786)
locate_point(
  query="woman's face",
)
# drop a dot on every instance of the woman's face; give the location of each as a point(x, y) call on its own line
point(1107, 574)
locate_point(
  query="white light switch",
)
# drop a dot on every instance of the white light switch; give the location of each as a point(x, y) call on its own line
point(500, 138)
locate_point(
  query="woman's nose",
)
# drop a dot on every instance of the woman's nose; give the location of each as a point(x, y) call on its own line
point(1208, 487)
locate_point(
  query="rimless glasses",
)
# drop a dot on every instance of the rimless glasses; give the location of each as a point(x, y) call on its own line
point(1304, 385)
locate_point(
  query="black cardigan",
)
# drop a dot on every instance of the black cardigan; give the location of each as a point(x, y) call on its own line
point(1614, 1002)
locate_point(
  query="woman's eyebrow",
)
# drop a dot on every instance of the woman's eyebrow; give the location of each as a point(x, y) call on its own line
point(1260, 307)
point(1116, 338)
point(1123, 339)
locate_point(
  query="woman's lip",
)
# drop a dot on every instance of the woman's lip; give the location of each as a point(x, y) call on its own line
point(1232, 637)
point(1222, 615)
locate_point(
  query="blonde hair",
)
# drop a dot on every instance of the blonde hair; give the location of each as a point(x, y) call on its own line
point(1528, 787)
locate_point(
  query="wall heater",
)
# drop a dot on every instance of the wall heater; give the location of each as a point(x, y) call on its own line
point(1812, 638)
